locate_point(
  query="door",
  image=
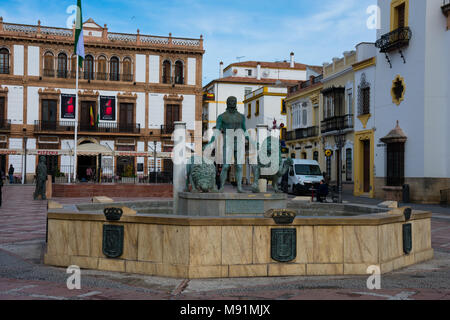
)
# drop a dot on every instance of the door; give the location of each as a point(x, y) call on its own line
point(88, 116)
point(366, 166)
point(48, 114)
point(126, 117)
point(172, 115)
point(52, 166)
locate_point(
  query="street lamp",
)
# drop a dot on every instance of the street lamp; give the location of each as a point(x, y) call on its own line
point(339, 139)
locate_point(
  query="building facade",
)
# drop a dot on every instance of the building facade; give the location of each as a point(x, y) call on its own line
point(412, 100)
point(337, 125)
point(132, 88)
point(304, 110)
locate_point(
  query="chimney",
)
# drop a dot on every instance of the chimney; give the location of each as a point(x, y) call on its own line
point(258, 71)
point(221, 70)
point(292, 60)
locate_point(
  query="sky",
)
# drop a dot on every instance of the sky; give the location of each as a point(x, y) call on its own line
point(233, 30)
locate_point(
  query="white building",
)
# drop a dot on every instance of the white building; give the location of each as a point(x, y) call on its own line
point(412, 80)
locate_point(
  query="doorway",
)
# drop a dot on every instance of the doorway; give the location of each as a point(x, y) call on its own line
point(86, 168)
point(125, 167)
point(366, 165)
point(48, 114)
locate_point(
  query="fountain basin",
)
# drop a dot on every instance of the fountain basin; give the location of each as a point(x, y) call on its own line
point(238, 246)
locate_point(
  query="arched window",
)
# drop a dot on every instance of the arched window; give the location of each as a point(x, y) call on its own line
point(4, 61)
point(49, 65)
point(114, 69)
point(101, 68)
point(127, 73)
point(89, 67)
point(166, 72)
point(179, 72)
point(62, 65)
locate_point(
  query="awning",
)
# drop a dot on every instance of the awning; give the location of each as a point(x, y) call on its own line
point(93, 149)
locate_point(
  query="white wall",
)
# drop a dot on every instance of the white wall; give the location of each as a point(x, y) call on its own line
point(192, 70)
point(31, 160)
point(140, 109)
point(15, 104)
point(33, 61)
point(188, 115)
point(154, 69)
point(155, 110)
point(18, 60)
point(141, 67)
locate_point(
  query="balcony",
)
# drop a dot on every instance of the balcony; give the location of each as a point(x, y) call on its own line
point(337, 123)
point(4, 70)
point(302, 133)
point(69, 127)
point(5, 125)
point(394, 40)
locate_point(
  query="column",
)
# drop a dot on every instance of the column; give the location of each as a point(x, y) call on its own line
point(179, 162)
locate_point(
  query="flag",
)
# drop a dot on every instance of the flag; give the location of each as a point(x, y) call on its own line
point(79, 39)
point(91, 114)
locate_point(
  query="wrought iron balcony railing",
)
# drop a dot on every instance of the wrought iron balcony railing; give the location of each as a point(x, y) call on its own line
point(394, 40)
point(302, 133)
point(337, 123)
point(102, 127)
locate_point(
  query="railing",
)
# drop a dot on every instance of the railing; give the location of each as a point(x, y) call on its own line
point(4, 70)
point(337, 123)
point(302, 133)
point(394, 40)
point(167, 129)
point(49, 73)
point(138, 39)
point(5, 125)
point(102, 127)
point(86, 75)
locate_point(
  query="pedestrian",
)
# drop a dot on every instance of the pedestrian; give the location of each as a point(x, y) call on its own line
point(11, 174)
point(322, 192)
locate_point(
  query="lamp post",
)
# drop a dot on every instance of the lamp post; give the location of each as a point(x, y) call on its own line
point(339, 139)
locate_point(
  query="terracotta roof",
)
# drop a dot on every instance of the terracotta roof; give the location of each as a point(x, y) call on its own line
point(395, 135)
point(274, 65)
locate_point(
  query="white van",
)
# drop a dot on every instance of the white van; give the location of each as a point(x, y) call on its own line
point(301, 177)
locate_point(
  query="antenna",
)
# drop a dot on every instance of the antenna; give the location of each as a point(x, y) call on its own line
point(239, 58)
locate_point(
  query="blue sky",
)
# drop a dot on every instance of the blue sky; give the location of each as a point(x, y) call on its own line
point(259, 30)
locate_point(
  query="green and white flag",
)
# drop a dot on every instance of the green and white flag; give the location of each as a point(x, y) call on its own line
point(79, 39)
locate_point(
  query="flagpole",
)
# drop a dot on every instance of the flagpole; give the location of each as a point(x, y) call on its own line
point(76, 126)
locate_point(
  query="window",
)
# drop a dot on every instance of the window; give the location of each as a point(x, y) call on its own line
point(399, 14)
point(114, 69)
point(166, 72)
point(48, 114)
point(307, 170)
point(179, 72)
point(4, 61)
point(249, 72)
point(349, 101)
point(49, 69)
point(2, 110)
point(249, 110)
point(304, 117)
point(348, 164)
point(363, 96)
point(395, 174)
point(316, 156)
point(127, 71)
point(62, 65)
point(101, 68)
point(248, 91)
point(89, 67)
point(257, 108)
point(283, 106)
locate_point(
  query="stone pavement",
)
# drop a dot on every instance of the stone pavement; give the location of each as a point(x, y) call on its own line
point(24, 277)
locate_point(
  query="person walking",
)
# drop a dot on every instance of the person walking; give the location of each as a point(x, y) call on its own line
point(11, 174)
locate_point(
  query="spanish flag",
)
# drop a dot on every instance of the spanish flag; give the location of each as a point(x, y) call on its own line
point(91, 114)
